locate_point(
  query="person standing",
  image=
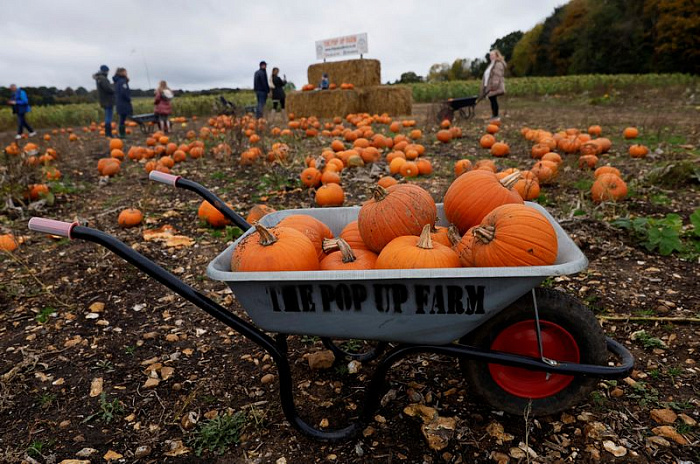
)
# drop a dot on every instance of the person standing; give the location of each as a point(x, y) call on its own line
point(105, 92)
point(163, 107)
point(494, 83)
point(278, 95)
point(123, 99)
point(261, 87)
point(20, 107)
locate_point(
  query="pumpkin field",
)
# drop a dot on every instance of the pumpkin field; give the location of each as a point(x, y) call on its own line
point(101, 363)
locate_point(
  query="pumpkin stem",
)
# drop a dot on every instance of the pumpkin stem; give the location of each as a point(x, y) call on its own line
point(485, 233)
point(453, 235)
point(266, 237)
point(510, 180)
point(346, 251)
point(379, 193)
point(425, 241)
point(330, 245)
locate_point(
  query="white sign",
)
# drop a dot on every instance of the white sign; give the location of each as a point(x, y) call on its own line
point(341, 46)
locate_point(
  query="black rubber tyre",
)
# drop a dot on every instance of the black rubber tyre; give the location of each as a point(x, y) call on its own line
point(445, 113)
point(553, 307)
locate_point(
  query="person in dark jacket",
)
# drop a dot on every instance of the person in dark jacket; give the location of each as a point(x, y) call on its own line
point(20, 106)
point(123, 100)
point(105, 91)
point(261, 87)
point(278, 95)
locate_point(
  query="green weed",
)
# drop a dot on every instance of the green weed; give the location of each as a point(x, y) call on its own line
point(218, 433)
point(43, 316)
point(108, 410)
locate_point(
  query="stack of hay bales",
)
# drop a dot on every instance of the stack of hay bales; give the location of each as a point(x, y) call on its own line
point(368, 96)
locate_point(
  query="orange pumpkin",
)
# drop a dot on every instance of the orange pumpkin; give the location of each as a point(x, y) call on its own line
point(500, 149)
point(539, 150)
point(630, 133)
point(608, 187)
point(351, 234)
point(425, 168)
point(8, 242)
point(527, 188)
point(475, 194)
point(487, 141)
point(595, 130)
point(257, 212)
point(606, 170)
point(274, 249)
point(444, 136)
point(37, 191)
point(638, 151)
point(492, 128)
point(401, 209)
point(330, 194)
point(342, 257)
point(311, 177)
point(587, 161)
point(211, 215)
point(116, 144)
point(387, 181)
point(130, 217)
point(462, 166)
point(411, 252)
point(409, 169)
point(311, 227)
point(514, 235)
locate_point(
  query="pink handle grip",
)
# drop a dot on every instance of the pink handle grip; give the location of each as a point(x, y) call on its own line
point(163, 178)
point(51, 226)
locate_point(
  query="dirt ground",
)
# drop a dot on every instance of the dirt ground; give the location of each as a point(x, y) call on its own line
point(75, 320)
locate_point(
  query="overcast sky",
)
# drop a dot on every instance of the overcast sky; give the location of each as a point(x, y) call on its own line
point(209, 43)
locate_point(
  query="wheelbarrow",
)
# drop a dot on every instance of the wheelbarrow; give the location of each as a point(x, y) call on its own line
point(145, 121)
point(518, 346)
point(463, 106)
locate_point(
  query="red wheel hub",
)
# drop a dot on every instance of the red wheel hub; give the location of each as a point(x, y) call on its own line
point(521, 338)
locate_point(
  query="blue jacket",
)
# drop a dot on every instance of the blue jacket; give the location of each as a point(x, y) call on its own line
point(123, 95)
point(21, 102)
point(260, 83)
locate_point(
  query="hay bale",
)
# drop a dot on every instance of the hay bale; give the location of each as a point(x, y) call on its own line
point(393, 100)
point(323, 103)
point(360, 73)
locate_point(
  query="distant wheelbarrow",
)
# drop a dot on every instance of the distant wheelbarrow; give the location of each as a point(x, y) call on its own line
point(145, 121)
point(464, 106)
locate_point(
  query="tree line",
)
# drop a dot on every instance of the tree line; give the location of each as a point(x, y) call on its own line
point(41, 96)
point(593, 37)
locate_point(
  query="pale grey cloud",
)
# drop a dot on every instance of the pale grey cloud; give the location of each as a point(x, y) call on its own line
point(196, 45)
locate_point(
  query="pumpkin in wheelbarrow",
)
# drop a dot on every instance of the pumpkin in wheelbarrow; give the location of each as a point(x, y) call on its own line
point(411, 252)
point(274, 249)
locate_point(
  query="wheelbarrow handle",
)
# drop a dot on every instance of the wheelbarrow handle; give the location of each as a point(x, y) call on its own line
point(216, 202)
point(51, 226)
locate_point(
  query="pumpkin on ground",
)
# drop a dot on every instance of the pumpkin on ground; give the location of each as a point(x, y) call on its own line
point(500, 149)
point(274, 249)
point(130, 217)
point(211, 215)
point(462, 166)
point(638, 151)
point(514, 235)
point(342, 257)
point(330, 194)
point(608, 187)
point(8, 242)
point(402, 209)
point(257, 212)
point(411, 252)
point(311, 227)
point(475, 194)
point(630, 133)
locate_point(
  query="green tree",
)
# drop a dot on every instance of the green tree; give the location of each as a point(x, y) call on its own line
point(460, 70)
point(525, 52)
point(409, 78)
point(506, 44)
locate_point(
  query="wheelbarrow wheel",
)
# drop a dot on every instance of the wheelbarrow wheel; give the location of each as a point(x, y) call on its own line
point(445, 113)
point(569, 332)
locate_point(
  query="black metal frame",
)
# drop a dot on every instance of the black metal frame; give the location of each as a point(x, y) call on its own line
point(449, 107)
point(277, 347)
point(142, 119)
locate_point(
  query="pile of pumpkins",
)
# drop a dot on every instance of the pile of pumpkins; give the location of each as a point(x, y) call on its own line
point(396, 229)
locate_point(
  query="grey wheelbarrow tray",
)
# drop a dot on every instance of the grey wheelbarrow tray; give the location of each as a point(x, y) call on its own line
point(434, 306)
point(404, 307)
